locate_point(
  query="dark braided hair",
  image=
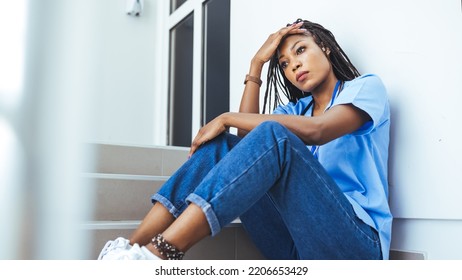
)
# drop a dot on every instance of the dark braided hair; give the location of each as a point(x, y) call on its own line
point(343, 69)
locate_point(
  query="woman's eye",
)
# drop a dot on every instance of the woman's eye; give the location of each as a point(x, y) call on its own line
point(283, 65)
point(300, 50)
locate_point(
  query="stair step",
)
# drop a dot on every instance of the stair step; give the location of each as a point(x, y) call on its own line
point(137, 160)
point(104, 225)
point(153, 178)
point(130, 224)
point(123, 196)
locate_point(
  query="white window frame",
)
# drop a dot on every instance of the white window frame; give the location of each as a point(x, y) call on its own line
point(166, 22)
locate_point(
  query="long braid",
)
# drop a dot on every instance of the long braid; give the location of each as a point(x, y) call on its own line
point(343, 68)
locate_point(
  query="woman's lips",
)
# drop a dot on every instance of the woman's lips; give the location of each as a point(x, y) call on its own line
point(301, 76)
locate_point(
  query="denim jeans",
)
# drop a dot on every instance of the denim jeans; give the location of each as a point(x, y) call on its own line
point(288, 204)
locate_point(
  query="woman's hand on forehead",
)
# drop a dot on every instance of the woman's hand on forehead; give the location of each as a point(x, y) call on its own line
point(271, 44)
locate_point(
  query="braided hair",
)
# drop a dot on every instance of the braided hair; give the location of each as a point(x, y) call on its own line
point(343, 69)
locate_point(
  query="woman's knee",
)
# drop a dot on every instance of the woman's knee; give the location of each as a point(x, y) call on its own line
point(223, 141)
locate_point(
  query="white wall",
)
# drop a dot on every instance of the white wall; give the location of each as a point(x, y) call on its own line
point(129, 106)
point(415, 46)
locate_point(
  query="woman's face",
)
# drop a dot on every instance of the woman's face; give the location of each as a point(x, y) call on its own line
point(304, 63)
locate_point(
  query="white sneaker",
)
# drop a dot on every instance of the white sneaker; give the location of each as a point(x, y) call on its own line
point(148, 254)
point(113, 247)
point(134, 253)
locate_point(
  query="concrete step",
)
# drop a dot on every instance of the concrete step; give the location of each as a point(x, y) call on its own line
point(122, 196)
point(136, 160)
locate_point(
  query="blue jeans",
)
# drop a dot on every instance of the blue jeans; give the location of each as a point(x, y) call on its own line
point(288, 204)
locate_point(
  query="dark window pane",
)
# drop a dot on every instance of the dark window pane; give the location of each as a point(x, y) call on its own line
point(216, 59)
point(175, 4)
point(180, 81)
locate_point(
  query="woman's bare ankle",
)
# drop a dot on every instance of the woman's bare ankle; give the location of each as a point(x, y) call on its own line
point(156, 252)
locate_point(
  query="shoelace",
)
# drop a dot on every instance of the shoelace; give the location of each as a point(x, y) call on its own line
point(110, 245)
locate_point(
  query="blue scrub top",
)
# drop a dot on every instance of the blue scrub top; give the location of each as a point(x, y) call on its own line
point(358, 162)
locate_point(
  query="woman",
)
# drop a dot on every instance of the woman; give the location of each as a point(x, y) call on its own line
point(308, 181)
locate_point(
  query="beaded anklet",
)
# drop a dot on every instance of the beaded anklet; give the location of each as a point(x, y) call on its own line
point(166, 249)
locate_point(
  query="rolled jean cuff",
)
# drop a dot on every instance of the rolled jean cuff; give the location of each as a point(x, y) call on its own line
point(166, 203)
point(208, 211)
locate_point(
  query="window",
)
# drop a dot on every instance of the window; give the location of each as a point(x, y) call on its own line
point(216, 59)
point(199, 66)
point(175, 4)
point(181, 79)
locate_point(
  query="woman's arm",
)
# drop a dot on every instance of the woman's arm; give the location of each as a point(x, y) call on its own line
point(250, 97)
point(250, 101)
point(335, 122)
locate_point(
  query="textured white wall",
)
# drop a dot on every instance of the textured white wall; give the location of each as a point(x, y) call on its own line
point(415, 47)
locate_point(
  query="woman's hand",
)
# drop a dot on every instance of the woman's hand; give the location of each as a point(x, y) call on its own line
point(267, 50)
point(211, 130)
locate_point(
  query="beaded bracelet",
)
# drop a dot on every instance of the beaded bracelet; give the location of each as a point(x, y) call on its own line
point(166, 249)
